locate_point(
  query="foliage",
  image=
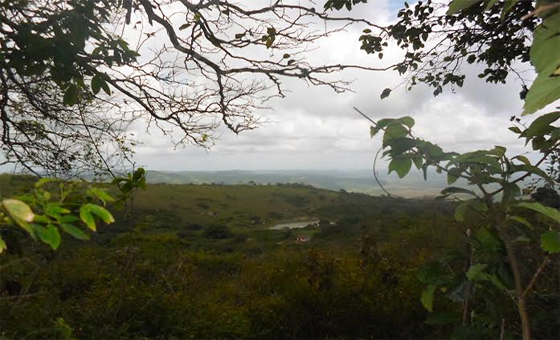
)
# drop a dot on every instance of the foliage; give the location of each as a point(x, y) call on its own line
point(153, 284)
point(439, 40)
point(504, 225)
point(54, 206)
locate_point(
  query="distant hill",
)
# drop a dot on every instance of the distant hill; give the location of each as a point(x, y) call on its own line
point(353, 181)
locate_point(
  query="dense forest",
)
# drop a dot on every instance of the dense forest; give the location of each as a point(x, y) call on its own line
point(90, 249)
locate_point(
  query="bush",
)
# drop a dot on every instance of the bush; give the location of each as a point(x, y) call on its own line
point(217, 232)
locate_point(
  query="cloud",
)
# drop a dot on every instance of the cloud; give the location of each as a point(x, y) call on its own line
point(315, 128)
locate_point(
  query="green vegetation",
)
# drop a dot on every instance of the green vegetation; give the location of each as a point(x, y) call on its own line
point(192, 261)
point(173, 269)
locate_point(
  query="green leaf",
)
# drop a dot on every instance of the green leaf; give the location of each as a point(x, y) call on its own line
point(44, 181)
point(105, 87)
point(408, 121)
point(417, 162)
point(385, 93)
point(514, 129)
point(184, 26)
point(55, 209)
point(401, 145)
point(511, 191)
point(443, 319)
point(546, 211)
point(71, 95)
point(87, 217)
point(456, 190)
point(544, 91)
point(509, 4)
point(453, 175)
point(546, 43)
point(458, 5)
point(475, 271)
point(102, 213)
point(96, 84)
point(532, 170)
point(393, 132)
point(520, 220)
point(101, 194)
point(75, 232)
point(49, 235)
point(428, 297)
point(550, 241)
point(523, 159)
point(487, 240)
point(475, 205)
point(20, 212)
point(3, 245)
point(540, 126)
point(401, 166)
point(490, 4)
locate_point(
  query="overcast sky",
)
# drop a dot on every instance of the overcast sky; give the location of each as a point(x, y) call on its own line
point(315, 128)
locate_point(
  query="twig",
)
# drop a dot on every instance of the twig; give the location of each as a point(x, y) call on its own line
point(539, 10)
point(19, 296)
point(538, 272)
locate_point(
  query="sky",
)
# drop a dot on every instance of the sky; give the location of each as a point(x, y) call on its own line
point(314, 128)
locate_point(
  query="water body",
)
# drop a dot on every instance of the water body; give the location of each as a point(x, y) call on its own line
point(294, 225)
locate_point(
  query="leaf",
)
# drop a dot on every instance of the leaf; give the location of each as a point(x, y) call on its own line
point(490, 4)
point(408, 121)
point(70, 95)
point(511, 191)
point(487, 240)
point(101, 195)
point(3, 245)
point(105, 87)
point(401, 166)
point(520, 220)
point(55, 209)
point(550, 242)
point(453, 175)
point(546, 42)
point(96, 84)
point(20, 212)
point(75, 232)
point(546, 211)
point(456, 190)
point(87, 217)
point(470, 205)
point(458, 5)
point(102, 213)
point(385, 93)
point(49, 235)
point(523, 159)
point(393, 132)
point(540, 126)
point(442, 319)
point(184, 26)
point(475, 271)
point(514, 129)
point(44, 181)
point(427, 298)
point(509, 4)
